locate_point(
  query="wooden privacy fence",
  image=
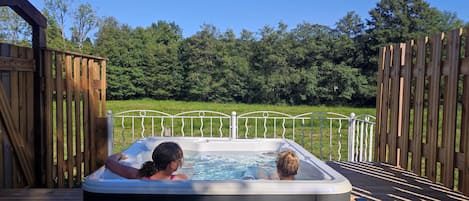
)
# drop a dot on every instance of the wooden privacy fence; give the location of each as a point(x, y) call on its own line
point(74, 89)
point(423, 108)
point(75, 97)
point(16, 121)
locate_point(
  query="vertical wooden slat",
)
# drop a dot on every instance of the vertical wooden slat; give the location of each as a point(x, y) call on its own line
point(77, 90)
point(30, 104)
point(464, 173)
point(407, 81)
point(103, 87)
point(2, 136)
point(48, 117)
point(384, 106)
point(14, 111)
point(418, 106)
point(22, 109)
point(93, 109)
point(433, 107)
point(379, 98)
point(59, 120)
point(450, 107)
point(68, 93)
point(86, 126)
point(394, 98)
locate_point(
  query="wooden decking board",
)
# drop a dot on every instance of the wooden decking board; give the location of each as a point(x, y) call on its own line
point(74, 194)
point(370, 182)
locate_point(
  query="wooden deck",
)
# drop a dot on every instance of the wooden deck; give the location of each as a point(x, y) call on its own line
point(377, 181)
point(372, 181)
point(41, 194)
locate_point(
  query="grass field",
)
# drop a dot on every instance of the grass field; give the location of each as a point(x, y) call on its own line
point(173, 107)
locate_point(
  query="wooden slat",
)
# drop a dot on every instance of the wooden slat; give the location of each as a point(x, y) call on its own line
point(394, 98)
point(77, 99)
point(68, 92)
point(93, 114)
point(450, 107)
point(30, 105)
point(2, 135)
point(16, 64)
point(86, 126)
point(407, 82)
point(103, 87)
point(48, 116)
point(14, 103)
point(464, 143)
point(418, 106)
point(384, 114)
point(59, 120)
point(379, 98)
point(433, 107)
point(41, 194)
point(16, 141)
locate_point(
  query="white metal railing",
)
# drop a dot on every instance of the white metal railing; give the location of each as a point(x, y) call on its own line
point(318, 132)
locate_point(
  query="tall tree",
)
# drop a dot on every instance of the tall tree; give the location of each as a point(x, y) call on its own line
point(162, 67)
point(13, 28)
point(351, 24)
point(395, 21)
point(84, 20)
point(59, 10)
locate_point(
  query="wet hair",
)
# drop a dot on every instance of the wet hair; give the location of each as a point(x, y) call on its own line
point(162, 156)
point(287, 163)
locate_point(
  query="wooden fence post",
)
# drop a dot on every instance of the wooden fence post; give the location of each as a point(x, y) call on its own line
point(101, 141)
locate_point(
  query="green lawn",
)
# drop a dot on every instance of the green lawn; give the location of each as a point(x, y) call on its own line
point(173, 107)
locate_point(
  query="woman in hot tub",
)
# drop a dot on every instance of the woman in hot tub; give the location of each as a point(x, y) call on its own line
point(287, 164)
point(167, 158)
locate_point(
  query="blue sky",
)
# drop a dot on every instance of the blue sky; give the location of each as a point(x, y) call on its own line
point(242, 14)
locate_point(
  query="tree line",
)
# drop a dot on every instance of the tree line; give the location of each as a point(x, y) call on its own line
point(308, 64)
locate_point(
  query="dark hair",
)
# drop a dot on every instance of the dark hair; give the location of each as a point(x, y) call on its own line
point(162, 156)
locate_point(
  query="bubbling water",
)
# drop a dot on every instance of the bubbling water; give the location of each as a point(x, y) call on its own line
point(225, 165)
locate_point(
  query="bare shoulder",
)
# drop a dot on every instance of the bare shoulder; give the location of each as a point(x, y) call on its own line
point(180, 177)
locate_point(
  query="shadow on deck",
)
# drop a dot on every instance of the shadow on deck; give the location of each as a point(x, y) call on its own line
point(378, 181)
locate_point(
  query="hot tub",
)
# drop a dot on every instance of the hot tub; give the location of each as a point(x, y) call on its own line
point(315, 179)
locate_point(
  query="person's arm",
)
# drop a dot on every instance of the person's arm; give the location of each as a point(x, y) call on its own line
point(112, 163)
point(265, 172)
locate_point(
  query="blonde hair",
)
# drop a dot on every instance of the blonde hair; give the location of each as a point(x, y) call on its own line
point(287, 163)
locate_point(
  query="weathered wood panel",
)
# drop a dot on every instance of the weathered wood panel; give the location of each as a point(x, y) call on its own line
point(385, 107)
point(59, 119)
point(78, 103)
point(464, 143)
point(436, 140)
point(70, 137)
point(419, 106)
point(433, 107)
point(450, 108)
point(69, 116)
point(48, 118)
point(406, 104)
point(78, 126)
point(379, 100)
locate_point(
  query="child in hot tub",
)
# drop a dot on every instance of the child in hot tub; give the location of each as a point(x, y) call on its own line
point(287, 167)
point(167, 158)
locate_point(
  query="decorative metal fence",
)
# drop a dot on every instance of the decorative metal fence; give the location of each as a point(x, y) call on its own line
point(324, 134)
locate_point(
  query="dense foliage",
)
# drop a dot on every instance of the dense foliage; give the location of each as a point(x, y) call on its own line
point(308, 64)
